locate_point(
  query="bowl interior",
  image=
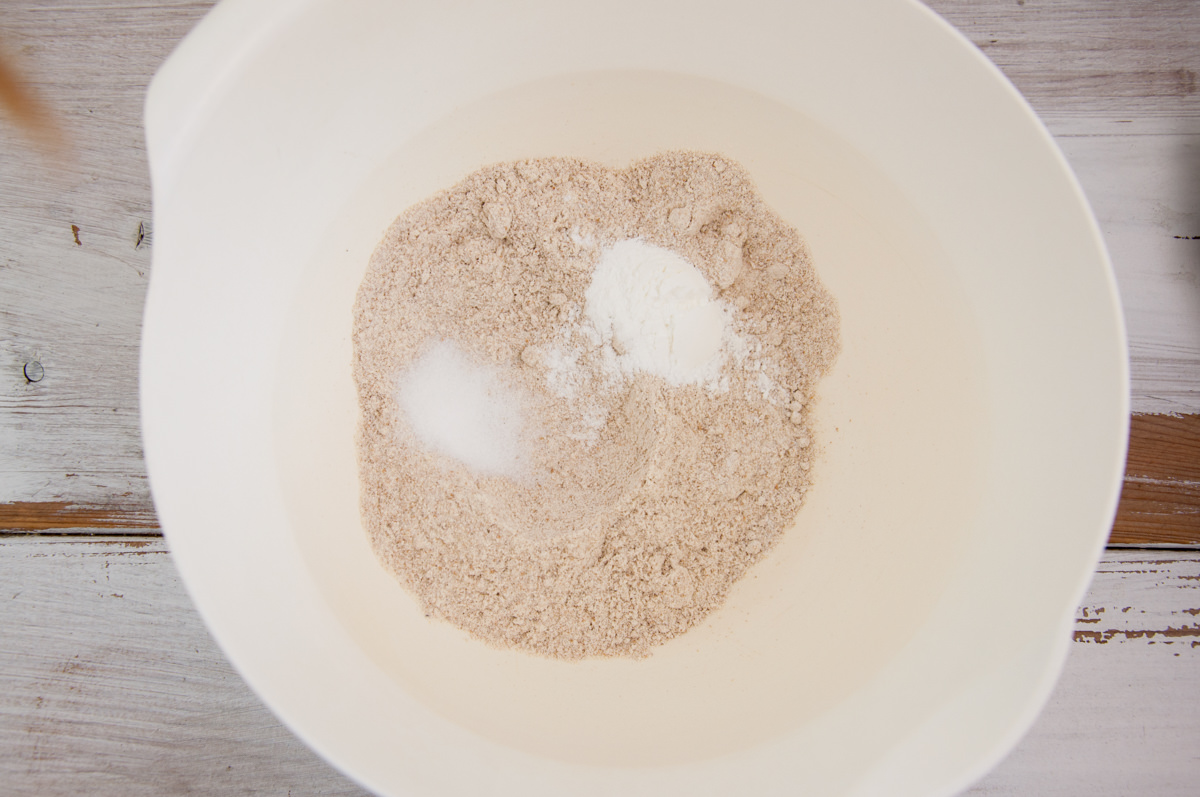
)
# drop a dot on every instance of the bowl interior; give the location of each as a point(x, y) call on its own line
point(896, 642)
point(903, 419)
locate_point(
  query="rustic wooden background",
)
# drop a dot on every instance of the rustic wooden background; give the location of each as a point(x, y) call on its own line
point(109, 683)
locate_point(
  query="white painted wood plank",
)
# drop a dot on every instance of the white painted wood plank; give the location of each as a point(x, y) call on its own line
point(1125, 717)
point(1118, 60)
point(1145, 192)
point(109, 685)
point(74, 307)
point(1117, 84)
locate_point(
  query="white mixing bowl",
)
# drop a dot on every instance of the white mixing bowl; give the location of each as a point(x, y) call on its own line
point(910, 627)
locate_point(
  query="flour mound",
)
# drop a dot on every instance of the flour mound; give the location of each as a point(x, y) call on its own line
point(614, 424)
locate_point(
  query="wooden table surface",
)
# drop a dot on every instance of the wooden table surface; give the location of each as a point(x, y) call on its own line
point(109, 682)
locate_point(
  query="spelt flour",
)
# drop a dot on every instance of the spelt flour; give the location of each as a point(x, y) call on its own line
point(641, 499)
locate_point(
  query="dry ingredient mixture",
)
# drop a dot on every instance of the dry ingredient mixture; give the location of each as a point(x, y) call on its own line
point(584, 397)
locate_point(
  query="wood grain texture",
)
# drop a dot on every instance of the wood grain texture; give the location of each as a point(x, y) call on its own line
point(1096, 58)
point(110, 685)
point(1160, 501)
point(1113, 80)
point(1124, 719)
point(1126, 582)
point(75, 308)
point(1116, 83)
point(1145, 193)
point(56, 516)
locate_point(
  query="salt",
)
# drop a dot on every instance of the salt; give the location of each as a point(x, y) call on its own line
point(655, 310)
point(463, 409)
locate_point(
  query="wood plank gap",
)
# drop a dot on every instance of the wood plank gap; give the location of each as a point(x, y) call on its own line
point(1150, 546)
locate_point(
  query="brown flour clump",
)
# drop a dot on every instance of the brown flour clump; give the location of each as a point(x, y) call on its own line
point(644, 502)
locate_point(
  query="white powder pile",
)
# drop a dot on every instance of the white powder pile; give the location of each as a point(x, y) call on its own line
point(656, 310)
point(464, 410)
